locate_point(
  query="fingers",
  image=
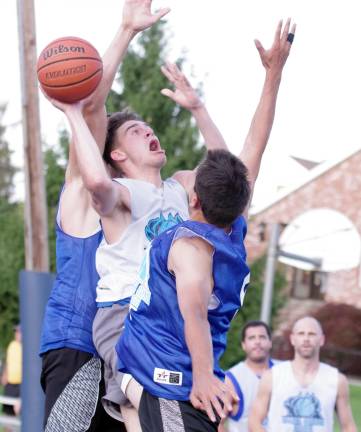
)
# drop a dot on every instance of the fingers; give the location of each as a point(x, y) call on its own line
point(168, 93)
point(278, 31)
point(161, 13)
point(286, 30)
point(259, 47)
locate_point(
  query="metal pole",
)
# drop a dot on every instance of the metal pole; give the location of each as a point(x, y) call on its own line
point(36, 227)
point(34, 290)
point(269, 274)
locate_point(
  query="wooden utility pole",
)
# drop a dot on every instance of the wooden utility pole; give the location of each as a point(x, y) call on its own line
point(36, 227)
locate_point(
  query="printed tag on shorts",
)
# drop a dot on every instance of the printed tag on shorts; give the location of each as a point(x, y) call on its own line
point(164, 376)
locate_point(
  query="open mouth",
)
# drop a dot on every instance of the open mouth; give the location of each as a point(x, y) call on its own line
point(154, 145)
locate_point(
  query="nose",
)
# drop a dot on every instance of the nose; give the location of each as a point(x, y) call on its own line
point(149, 132)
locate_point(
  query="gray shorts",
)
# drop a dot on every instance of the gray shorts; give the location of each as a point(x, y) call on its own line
point(108, 326)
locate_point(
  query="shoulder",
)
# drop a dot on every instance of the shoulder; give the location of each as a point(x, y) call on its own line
point(186, 178)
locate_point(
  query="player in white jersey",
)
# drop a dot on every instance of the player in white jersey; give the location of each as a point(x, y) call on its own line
point(133, 149)
point(301, 395)
point(244, 377)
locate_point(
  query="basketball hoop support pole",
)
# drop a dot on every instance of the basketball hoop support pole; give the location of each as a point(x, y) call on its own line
point(272, 255)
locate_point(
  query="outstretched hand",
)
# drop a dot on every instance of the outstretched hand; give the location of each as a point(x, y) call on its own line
point(137, 15)
point(183, 94)
point(213, 396)
point(275, 58)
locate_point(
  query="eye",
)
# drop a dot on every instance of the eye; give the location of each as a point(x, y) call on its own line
point(135, 131)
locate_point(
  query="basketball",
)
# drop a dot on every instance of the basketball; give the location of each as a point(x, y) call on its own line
point(69, 69)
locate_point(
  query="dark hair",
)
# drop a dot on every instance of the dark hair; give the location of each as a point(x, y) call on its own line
point(114, 122)
point(222, 187)
point(255, 323)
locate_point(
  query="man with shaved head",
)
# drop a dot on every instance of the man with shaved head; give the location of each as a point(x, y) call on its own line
point(302, 394)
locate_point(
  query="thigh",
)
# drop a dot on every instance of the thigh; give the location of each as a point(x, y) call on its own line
point(70, 380)
point(165, 415)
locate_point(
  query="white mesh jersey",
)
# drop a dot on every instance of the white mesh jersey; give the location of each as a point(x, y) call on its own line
point(296, 408)
point(153, 211)
point(246, 383)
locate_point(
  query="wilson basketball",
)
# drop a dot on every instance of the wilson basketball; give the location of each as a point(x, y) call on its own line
point(69, 69)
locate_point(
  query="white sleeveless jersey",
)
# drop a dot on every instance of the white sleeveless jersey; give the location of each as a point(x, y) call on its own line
point(153, 211)
point(246, 384)
point(296, 408)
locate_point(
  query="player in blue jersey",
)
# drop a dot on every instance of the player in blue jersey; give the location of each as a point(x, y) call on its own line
point(71, 373)
point(192, 283)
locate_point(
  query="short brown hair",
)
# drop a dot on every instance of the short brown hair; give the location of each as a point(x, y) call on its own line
point(114, 122)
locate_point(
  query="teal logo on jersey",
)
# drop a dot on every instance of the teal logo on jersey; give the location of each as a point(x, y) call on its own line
point(303, 412)
point(160, 224)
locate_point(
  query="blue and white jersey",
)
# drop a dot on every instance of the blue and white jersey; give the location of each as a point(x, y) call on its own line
point(154, 210)
point(153, 347)
point(245, 383)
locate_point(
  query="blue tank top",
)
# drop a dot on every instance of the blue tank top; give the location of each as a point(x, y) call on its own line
point(153, 347)
point(71, 307)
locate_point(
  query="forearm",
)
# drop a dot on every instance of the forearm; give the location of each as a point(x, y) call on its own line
point(111, 62)
point(261, 125)
point(86, 152)
point(198, 339)
point(212, 136)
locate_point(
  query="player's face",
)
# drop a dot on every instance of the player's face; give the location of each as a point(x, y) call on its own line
point(257, 345)
point(307, 338)
point(139, 144)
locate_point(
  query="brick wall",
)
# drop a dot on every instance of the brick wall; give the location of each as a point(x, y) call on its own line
point(339, 189)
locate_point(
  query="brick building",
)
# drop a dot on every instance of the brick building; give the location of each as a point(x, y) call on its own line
point(331, 185)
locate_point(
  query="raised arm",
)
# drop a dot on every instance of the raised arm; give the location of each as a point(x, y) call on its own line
point(261, 403)
point(105, 194)
point(194, 284)
point(343, 407)
point(273, 61)
point(186, 96)
point(137, 16)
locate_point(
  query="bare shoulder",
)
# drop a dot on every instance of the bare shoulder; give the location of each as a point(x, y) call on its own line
point(192, 245)
point(185, 178)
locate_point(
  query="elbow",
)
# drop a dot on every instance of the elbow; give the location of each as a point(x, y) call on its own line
point(97, 183)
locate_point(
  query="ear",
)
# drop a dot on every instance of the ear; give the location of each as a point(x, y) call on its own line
point(118, 155)
point(292, 340)
point(194, 202)
point(322, 342)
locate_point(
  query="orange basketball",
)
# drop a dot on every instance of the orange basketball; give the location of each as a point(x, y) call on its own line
point(69, 69)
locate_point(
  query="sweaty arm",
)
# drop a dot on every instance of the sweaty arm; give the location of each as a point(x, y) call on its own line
point(190, 259)
point(260, 405)
point(343, 407)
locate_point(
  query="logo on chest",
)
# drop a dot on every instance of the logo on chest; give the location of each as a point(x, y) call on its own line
point(160, 224)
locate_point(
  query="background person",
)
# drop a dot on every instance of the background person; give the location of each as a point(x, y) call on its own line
point(244, 377)
point(302, 394)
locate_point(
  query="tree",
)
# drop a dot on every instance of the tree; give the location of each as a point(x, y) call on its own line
point(11, 242)
point(251, 311)
point(141, 80)
point(7, 170)
point(55, 160)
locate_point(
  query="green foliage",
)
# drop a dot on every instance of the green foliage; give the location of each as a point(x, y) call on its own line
point(11, 262)
point(141, 80)
point(11, 242)
point(251, 311)
point(7, 171)
point(54, 161)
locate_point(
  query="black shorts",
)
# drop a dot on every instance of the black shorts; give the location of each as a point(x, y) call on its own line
point(73, 386)
point(11, 390)
point(164, 415)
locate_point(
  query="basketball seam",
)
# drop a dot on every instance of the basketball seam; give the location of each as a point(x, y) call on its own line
point(72, 84)
point(69, 59)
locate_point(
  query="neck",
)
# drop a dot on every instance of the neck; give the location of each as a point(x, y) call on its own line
point(258, 367)
point(197, 216)
point(149, 175)
point(305, 366)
